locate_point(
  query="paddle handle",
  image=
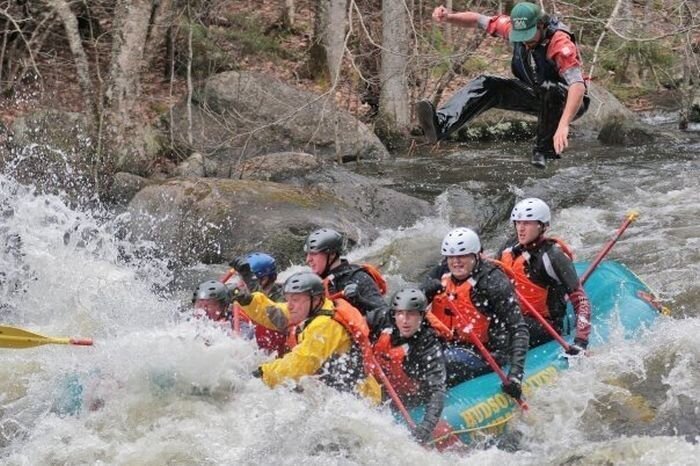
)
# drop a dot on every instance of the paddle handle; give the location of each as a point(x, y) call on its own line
point(80, 341)
point(494, 365)
point(540, 318)
point(392, 393)
point(629, 218)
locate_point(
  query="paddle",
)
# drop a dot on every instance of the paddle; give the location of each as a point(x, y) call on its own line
point(367, 352)
point(234, 281)
point(540, 318)
point(629, 218)
point(376, 370)
point(494, 365)
point(12, 337)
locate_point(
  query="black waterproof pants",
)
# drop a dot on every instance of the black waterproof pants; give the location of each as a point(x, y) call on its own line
point(485, 92)
point(538, 334)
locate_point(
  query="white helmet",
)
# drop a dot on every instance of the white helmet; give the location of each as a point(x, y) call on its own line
point(531, 209)
point(460, 242)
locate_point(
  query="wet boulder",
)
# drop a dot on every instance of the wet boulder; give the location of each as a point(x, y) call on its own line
point(618, 131)
point(212, 220)
point(125, 186)
point(382, 206)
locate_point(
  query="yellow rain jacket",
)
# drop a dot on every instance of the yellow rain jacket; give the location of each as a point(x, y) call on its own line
point(321, 339)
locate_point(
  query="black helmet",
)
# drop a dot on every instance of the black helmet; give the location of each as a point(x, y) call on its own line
point(212, 289)
point(409, 299)
point(304, 282)
point(324, 240)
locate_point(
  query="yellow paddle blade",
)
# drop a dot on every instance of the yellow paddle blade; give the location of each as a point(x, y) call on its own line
point(17, 338)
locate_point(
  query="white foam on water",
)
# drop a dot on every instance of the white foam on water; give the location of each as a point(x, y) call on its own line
point(166, 391)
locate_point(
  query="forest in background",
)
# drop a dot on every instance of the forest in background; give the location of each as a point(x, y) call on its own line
point(125, 63)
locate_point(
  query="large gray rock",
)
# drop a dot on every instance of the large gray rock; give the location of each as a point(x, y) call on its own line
point(213, 220)
point(236, 115)
point(617, 131)
point(384, 207)
point(604, 106)
point(125, 186)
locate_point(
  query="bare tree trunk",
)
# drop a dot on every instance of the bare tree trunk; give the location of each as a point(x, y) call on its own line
point(70, 24)
point(133, 20)
point(328, 49)
point(334, 36)
point(288, 14)
point(690, 71)
point(393, 99)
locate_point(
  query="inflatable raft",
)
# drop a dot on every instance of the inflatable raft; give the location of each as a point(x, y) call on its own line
point(620, 302)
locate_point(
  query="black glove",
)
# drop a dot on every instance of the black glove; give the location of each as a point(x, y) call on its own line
point(513, 388)
point(241, 265)
point(432, 287)
point(257, 373)
point(350, 291)
point(243, 297)
point(422, 434)
point(578, 347)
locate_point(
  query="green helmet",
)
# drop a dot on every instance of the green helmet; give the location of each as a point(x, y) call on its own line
point(212, 289)
point(304, 282)
point(324, 240)
point(409, 299)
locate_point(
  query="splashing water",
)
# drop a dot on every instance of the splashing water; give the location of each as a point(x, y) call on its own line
point(159, 390)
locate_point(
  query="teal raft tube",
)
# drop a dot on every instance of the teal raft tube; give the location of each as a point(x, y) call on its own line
point(620, 302)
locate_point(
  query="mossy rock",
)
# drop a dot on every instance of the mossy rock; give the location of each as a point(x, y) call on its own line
point(211, 220)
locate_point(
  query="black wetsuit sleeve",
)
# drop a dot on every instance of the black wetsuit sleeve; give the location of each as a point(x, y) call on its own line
point(564, 269)
point(432, 284)
point(438, 271)
point(369, 299)
point(507, 316)
point(433, 383)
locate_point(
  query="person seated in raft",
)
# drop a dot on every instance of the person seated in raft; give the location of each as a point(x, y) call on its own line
point(212, 300)
point(258, 271)
point(360, 284)
point(476, 297)
point(319, 343)
point(410, 353)
point(544, 274)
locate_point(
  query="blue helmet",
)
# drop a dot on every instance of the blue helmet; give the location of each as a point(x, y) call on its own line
point(262, 265)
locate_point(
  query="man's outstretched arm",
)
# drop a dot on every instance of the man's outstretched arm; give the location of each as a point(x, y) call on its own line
point(574, 100)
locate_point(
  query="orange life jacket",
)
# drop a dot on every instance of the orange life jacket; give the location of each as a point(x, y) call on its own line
point(390, 359)
point(456, 314)
point(372, 271)
point(533, 293)
point(350, 318)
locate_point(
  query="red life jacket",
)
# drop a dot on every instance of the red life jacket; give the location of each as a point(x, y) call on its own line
point(350, 318)
point(533, 293)
point(371, 270)
point(456, 314)
point(390, 359)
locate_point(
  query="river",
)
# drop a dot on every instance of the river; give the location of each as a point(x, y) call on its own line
point(155, 393)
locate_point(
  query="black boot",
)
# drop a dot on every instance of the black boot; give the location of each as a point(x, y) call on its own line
point(425, 112)
point(539, 159)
